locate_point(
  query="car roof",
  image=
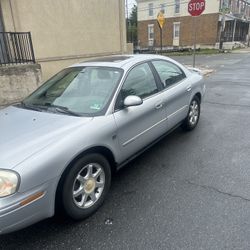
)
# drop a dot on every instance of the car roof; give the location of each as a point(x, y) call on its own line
point(119, 61)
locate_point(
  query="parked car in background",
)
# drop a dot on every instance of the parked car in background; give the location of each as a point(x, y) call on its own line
point(60, 146)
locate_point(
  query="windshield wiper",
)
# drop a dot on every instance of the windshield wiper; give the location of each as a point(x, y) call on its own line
point(32, 106)
point(61, 109)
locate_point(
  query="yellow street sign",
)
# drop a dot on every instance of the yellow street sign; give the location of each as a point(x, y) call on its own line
point(161, 19)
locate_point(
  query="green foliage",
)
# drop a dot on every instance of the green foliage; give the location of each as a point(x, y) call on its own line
point(189, 53)
point(133, 16)
point(132, 26)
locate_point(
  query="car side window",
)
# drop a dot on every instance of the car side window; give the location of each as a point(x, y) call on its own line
point(169, 73)
point(140, 82)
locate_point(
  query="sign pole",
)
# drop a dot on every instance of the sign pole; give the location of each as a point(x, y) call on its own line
point(161, 21)
point(195, 8)
point(161, 38)
point(195, 39)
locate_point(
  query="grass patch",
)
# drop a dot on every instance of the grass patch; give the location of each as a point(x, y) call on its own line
point(190, 52)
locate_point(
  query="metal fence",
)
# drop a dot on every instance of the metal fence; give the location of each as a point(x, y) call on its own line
point(16, 48)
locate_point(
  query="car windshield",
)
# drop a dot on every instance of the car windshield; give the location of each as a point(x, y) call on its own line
point(78, 90)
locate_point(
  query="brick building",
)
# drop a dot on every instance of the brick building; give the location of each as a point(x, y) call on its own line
point(232, 16)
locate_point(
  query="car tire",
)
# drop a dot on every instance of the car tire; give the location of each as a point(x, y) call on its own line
point(85, 186)
point(193, 116)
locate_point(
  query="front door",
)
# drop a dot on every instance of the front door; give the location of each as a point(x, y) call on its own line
point(139, 125)
point(177, 91)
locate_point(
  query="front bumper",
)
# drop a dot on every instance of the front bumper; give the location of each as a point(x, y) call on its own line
point(23, 209)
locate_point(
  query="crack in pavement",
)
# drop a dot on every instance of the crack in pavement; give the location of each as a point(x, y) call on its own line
point(218, 191)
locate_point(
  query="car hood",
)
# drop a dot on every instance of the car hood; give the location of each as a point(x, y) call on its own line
point(26, 132)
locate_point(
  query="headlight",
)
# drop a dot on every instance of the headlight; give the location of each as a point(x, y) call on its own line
point(9, 181)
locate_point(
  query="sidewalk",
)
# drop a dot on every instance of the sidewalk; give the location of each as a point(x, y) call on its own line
point(241, 51)
point(203, 71)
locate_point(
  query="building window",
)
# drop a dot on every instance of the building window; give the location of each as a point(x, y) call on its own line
point(151, 9)
point(176, 30)
point(177, 6)
point(163, 8)
point(150, 32)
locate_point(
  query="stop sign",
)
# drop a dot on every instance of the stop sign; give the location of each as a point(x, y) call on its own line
point(196, 7)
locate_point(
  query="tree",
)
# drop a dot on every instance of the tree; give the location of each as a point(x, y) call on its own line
point(133, 16)
point(132, 26)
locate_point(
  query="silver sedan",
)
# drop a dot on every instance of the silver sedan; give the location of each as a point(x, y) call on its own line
point(60, 145)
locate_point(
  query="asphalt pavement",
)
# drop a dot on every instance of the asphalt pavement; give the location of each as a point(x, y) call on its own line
point(190, 191)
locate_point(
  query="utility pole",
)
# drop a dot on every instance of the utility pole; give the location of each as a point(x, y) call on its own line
point(222, 28)
point(224, 9)
point(127, 23)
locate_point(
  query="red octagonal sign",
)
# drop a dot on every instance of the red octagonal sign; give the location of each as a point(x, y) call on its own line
point(196, 7)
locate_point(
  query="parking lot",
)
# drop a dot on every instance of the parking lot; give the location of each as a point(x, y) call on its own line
point(189, 191)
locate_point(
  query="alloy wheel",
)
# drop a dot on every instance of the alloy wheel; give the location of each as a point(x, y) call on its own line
point(88, 185)
point(193, 113)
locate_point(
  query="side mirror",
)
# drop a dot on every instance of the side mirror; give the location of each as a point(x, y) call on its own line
point(132, 100)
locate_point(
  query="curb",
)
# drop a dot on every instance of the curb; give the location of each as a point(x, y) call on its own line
point(203, 71)
point(207, 72)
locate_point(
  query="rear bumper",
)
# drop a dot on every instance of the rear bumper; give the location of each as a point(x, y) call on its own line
point(23, 209)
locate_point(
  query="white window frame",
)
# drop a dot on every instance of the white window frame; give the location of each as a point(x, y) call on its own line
point(176, 24)
point(150, 29)
point(151, 9)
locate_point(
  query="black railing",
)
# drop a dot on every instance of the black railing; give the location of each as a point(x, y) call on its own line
point(16, 48)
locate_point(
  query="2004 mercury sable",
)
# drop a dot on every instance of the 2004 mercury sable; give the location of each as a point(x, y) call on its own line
point(61, 144)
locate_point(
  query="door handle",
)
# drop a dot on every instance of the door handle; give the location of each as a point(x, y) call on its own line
point(189, 89)
point(159, 106)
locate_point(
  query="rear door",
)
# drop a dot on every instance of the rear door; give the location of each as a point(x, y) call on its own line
point(176, 93)
point(139, 125)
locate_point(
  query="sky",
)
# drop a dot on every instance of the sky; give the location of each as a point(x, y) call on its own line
point(130, 4)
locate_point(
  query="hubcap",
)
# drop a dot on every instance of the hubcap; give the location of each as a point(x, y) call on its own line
point(193, 113)
point(88, 185)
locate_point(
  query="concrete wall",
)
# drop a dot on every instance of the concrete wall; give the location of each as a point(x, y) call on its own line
point(68, 31)
point(17, 82)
